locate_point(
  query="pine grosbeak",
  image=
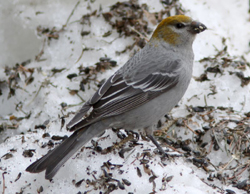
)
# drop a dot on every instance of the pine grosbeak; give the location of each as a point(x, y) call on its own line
point(140, 93)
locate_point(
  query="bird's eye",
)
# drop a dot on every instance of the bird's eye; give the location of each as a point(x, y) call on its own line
point(179, 25)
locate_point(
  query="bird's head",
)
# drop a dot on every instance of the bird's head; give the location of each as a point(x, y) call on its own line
point(178, 30)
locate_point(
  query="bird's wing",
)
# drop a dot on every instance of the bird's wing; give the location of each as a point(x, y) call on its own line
point(119, 95)
point(80, 116)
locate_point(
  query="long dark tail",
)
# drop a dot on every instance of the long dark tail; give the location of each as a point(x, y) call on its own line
point(53, 160)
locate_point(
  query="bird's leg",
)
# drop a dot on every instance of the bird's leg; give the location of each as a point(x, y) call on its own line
point(156, 144)
point(149, 133)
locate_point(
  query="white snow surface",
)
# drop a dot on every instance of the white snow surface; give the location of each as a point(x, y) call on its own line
point(19, 42)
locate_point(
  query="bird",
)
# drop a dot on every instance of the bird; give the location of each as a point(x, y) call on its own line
point(137, 95)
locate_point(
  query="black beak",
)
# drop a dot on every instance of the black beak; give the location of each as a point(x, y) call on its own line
point(197, 27)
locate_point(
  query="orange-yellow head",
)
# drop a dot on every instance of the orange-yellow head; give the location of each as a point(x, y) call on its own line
point(177, 30)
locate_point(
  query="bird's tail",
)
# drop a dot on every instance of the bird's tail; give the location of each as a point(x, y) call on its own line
point(53, 160)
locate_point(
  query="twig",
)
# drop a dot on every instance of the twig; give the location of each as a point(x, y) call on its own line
point(3, 182)
point(79, 97)
point(44, 83)
point(210, 147)
point(141, 35)
point(41, 86)
point(205, 100)
point(239, 173)
point(174, 149)
point(72, 12)
point(83, 49)
point(73, 105)
point(190, 128)
point(242, 170)
point(232, 159)
point(38, 57)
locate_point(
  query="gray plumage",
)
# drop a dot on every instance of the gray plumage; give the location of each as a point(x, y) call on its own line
point(147, 87)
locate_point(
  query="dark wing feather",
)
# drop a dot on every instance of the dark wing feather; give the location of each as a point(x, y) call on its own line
point(80, 116)
point(119, 95)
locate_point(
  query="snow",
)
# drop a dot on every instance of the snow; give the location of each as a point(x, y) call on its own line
point(20, 42)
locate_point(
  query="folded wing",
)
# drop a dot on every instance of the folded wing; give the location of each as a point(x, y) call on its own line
point(119, 95)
